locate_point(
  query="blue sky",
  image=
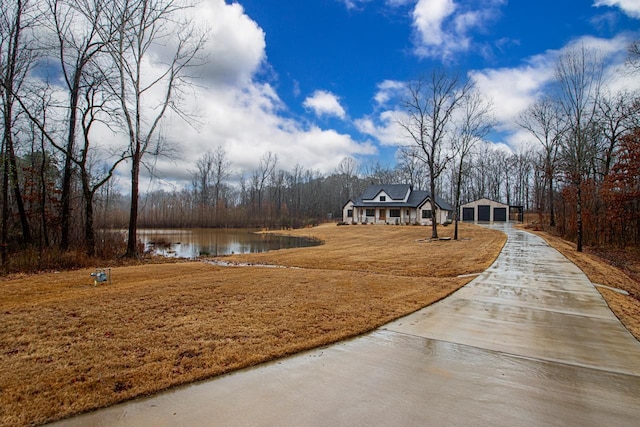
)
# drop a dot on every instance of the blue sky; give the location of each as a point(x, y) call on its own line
point(316, 81)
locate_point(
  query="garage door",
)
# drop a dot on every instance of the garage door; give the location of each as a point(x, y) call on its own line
point(499, 214)
point(468, 214)
point(484, 213)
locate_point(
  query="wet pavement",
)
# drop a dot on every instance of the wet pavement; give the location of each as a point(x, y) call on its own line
point(530, 342)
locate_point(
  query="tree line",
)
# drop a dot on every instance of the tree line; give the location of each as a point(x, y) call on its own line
point(67, 68)
point(582, 173)
point(70, 67)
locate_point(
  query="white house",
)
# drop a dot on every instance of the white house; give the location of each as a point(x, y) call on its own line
point(395, 204)
point(484, 210)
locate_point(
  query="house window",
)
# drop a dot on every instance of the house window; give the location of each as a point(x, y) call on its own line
point(408, 212)
point(394, 213)
point(350, 213)
point(383, 198)
point(371, 212)
point(427, 214)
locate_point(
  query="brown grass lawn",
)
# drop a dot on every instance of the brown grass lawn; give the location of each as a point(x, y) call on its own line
point(68, 347)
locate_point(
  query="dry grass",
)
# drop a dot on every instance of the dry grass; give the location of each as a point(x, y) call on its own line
point(68, 347)
point(400, 251)
point(601, 271)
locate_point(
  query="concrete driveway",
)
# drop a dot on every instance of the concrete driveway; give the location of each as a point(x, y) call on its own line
point(530, 342)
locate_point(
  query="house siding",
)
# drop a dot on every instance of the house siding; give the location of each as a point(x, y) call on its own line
point(379, 202)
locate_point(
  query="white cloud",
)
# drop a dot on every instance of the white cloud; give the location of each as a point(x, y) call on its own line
point(388, 90)
point(630, 7)
point(428, 19)
point(354, 4)
point(235, 45)
point(325, 103)
point(247, 124)
point(235, 111)
point(383, 127)
point(444, 27)
point(514, 89)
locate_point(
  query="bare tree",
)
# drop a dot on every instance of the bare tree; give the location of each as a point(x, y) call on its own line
point(75, 25)
point(616, 112)
point(137, 27)
point(430, 106)
point(265, 169)
point(579, 74)
point(221, 171)
point(543, 120)
point(96, 106)
point(201, 179)
point(17, 58)
point(348, 172)
point(411, 167)
point(475, 123)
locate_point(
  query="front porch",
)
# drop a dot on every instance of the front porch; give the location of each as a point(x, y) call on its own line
point(387, 216)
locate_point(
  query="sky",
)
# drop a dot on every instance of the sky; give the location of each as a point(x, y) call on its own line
point(316, 81)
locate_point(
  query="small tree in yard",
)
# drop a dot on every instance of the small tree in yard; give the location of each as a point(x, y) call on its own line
point(430, 106)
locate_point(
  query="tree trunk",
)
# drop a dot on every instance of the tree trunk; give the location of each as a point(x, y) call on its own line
point(43, 195)
point(552, 212)
point(434, 217)
point(5, 206)
point(65, 209)
point(132, 250)
point(579, 218)
point(457, 201)
point(89, 232)
point(12, 166)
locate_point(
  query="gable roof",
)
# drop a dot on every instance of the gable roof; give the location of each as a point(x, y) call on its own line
point(397, 193)
point(394, 191)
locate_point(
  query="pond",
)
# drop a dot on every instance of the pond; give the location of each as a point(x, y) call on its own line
point(192, 243)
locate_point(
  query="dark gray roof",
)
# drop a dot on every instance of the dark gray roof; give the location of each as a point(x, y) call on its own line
point(397, 192)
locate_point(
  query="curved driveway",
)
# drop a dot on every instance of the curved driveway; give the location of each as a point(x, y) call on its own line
point(530, 342)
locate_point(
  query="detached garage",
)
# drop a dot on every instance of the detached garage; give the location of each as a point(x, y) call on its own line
point(484, 210)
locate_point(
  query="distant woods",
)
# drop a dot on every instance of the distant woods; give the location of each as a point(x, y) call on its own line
point(74, 71)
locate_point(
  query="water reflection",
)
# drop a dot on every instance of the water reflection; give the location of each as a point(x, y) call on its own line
point(192, 243)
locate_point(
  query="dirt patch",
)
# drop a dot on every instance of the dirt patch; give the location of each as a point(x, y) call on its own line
point(68, 347)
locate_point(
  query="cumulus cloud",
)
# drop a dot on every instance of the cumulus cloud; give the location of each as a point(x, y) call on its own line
point(384, 127)
point(230, 107)
point(235, 43)
point(443, 27)
point(527, 81)
point(532, 78)
point(524, 84)
point(512, 90)
point(629, 7)
point(429, 17)
point(247, 123)
point(325, 103)
point(388, 90)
